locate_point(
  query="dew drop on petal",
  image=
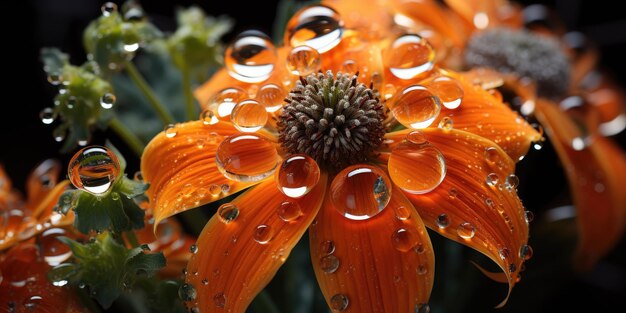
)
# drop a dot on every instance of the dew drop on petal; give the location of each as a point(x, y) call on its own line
point(251, 57)
point(442, 221)
point(187, 292)
point(504, 253)
point(263, 234)
point(317, 26)
point(219, 299)
point(416, 166)
point(297, 175)
point(227, 212)
point(208, 117)
point(404, 240)
point(415, 107)
point(94, 169)
point(402, 213)
point(422, 269)
point(446, 123)
point(215, 190)
point(409, 56)
point(289, 211)
point(529, 216)
point(327, 247)
point(272, 97)
point(492, 179)
point(339, 302)
point(526, 252)
point(466, 230)
point(170, 131)
point(360, 191)
point(193, 249)
point(303, 60)
point(422, 308)
point(47, 115)
point(248, 116)
point(54, 252)
point(107, 100)
point(491, 155)
point(246, 157)
point(329, 264)
point(448, 90)
point(512, 181)
point(223, 102)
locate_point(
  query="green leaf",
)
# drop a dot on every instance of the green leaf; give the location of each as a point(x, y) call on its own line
point(54, 60)
point(100, 213)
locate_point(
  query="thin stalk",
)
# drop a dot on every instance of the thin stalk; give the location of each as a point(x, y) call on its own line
point(147, 91)
point(190, 108)
point(128, 136)
point(263, 303)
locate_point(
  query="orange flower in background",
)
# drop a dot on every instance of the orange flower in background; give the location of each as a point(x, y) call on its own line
point(358, 137)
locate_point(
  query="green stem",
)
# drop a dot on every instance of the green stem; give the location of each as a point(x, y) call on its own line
point(128, 136)
point(87, 301)
point(132, 238)
point(263, 303)
point(147, 91)
point(190, 107)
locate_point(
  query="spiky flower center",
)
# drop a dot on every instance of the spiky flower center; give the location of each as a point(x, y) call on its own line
point(333, 118)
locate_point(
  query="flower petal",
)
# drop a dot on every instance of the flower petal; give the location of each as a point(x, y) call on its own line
point(597, 176)
point(182, 171)
point(43, 178)
point(236, 259)
point(465, 208)
point(383, 264)
point(483, 114)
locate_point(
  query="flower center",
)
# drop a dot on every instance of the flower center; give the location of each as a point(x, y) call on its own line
point(333, 118)
point(523, 53)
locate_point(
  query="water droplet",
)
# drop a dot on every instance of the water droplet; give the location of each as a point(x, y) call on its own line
point(263, 234)
point(303, 60)
point(453, 193)
point(215, 190)
point(193, 249)
point(349, 66)
point(422, 308)
point(94, 169)
point(422, 270)
point(504, 253)
point(525, 252)
point(446, 123)
point(205, 281)
point(187, 292)
point(442, 220)
point(415, 107)
point(466, 230)
point(360, 191)
point(404, 240)
point(227, 212)
point(491, 155)
point(47, 115)
point(54, 252)
point(289, 211)
point(529, 216)
point(219, 299)
point(246, 157)
point(329, 264)
point(108, 8)
point(170, 131)
point(223, 103)
point(59, 133)
point(409, 56)
point(55, 79)
point(251, 57)
point(339, 302)
point(107, 100)
point(511, 182)
point(327, 247)
point(316, 26)
point(297, 175)
point(410, 157)
point(448, 90)
point(492, 179)
point(248, 116)
point(512, 268)
point(272, 97)
point(402, 213)
point(138, 176)
point(208, 117)
point(71, 102)
point(225, 188)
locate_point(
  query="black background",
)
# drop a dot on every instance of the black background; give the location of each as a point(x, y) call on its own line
point(25, 141)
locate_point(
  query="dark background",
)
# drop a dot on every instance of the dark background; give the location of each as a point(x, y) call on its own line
point(25, 141)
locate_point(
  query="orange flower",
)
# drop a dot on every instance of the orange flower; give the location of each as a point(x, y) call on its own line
point(365, 161)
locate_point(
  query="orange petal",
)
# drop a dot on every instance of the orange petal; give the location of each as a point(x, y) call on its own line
point(372, 20)
point(597, 176)
point(235, 260)
point(485, 115)
point(181, 170)
point(43, 178)
point(382, 264)
point(487, 218)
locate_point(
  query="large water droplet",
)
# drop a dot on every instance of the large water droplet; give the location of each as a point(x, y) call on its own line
point(442, 220)
point(248, 116)
point(402, 213)
point(417, 167)
point(54, 252)
point(525, 252)
point(491, 155)
point(297, 175)
point(327, 247)
point(448, 90)
point(289, 211)
point(329, 264)
point(47, 115)
point(360, 191)
point(303, 60)
point(94, 169)
point(409, 56)
point(404, 240)
point(227, 212)
point(339, 302)
point(223, 102)
point(107, 100)
point(492, 179)
point(415, 107)
point(251, 57)
point(272, 97)
point(316, 26)
point(263, 234)
point(187, 292)
point(246, 157)
point(512, 181)
point(466, 230)
point(59, 274)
